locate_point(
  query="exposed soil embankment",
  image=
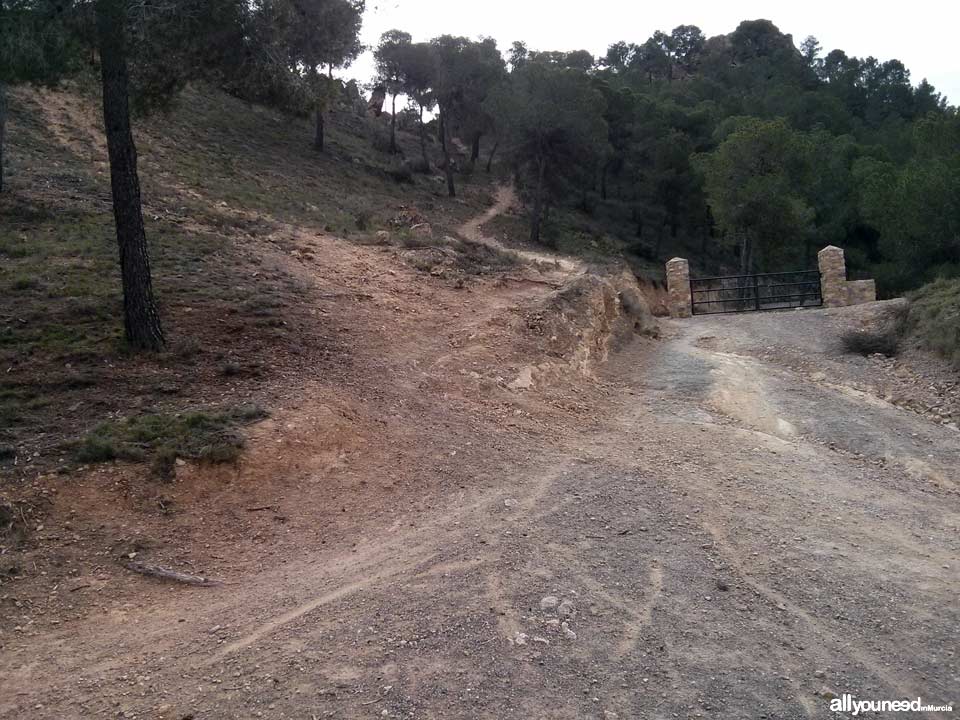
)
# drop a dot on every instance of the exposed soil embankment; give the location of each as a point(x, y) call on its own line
point(579, 323)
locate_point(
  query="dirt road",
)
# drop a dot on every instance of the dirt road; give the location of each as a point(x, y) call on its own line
point(731, 534)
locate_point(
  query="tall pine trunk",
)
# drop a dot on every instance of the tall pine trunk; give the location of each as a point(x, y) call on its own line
point(393, 126)
point(493, 152)
point(423, 143)
point(447, 164)
point(3, 127)
point(475, 150)
point(140, 316)
point(746, 253)
point(318, 137)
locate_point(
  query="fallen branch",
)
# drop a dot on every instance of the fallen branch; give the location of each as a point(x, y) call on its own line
point(166, 574)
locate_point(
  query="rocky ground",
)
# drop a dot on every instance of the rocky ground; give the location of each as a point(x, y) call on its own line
point(704, 528)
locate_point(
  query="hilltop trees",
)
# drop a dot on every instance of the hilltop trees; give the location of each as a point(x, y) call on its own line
point(418, 72)
point(743, 145)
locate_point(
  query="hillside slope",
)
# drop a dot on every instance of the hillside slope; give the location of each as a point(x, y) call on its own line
point(371, 321)
point(235, 203)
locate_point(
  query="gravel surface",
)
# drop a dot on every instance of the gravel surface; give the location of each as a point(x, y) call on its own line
point(738, 528)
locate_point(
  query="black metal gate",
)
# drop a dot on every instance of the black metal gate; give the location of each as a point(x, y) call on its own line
point(744, 293)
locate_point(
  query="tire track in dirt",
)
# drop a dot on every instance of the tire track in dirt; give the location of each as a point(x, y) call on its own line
point(780, 601)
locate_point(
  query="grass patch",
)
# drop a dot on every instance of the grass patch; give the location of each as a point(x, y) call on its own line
point(933, 318)
point(161, 439)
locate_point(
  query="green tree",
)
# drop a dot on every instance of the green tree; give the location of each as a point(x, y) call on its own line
point(518, 54)
point(552, 122)
point(464, 74)
point(916, 206)
point(294, 41)
point(418, 71)
point(389, 59)
point(753, 182)
point(686, 46)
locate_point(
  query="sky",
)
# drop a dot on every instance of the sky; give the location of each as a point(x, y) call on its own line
point(920, 33)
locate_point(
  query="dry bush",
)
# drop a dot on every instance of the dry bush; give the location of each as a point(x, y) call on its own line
point(884, 339)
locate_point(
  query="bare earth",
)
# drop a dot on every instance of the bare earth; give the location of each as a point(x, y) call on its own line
point(731, 522)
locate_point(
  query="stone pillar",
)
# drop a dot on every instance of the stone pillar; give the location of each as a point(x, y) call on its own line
point(678, 288)
point(833, 277)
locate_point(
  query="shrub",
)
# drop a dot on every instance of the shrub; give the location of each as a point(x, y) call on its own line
point(362, 218)
point(871, 342)
point(883, 339)
point(401, 173)
point(94, 449)
point(164, 463)
point(380, 138)
point(475, 258)
point(419, 166)
point(25, 282)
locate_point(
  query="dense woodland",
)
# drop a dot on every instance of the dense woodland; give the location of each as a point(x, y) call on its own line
point(749, 150)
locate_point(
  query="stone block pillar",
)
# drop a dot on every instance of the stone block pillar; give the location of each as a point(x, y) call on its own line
point(833, 277)
point(678, 288)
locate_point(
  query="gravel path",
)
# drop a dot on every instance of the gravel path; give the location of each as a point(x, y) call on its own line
point(731, 536)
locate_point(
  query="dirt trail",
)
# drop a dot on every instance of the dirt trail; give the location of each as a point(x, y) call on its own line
point(700, 531)
point(505, 200)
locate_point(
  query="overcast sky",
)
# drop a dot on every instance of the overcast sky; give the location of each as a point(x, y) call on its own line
point(921, 33)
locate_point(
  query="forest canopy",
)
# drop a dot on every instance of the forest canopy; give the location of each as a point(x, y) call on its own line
point(746, 151)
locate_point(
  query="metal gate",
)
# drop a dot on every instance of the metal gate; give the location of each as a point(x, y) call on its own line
point(744, 293)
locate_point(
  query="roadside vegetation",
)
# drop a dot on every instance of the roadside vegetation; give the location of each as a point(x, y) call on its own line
point(929, 318)
point(934, 319)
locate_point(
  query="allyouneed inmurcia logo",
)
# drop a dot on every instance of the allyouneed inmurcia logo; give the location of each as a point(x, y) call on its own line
point(847, 704)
